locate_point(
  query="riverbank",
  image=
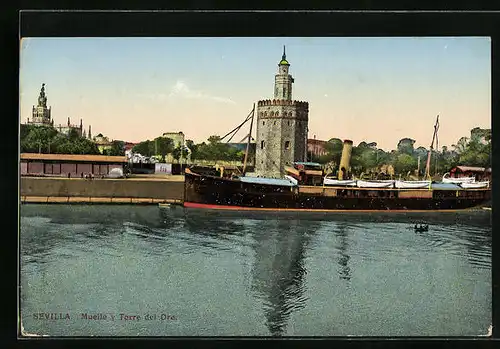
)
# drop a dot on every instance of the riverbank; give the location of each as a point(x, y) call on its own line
point(140, 190)
point(96, 200)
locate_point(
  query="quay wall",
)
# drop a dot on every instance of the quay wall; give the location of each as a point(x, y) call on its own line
point(109, 188)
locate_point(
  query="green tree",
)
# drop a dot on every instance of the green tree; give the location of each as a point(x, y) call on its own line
point(176, 154)
point(145, 148)
point(163, 146)
point(461, 145)
point(117, 148)
point(73, 134)
point(193, 147)
point(405, 146)
point(333, 149)
point(404, 163)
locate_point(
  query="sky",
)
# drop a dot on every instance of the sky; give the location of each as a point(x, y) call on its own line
point(364, 89)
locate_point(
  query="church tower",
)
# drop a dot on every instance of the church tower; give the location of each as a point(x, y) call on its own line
point(281, 127)
point(40, 113)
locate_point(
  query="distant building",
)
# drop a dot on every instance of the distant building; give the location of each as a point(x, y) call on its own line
point(128, 146)
point(103, 143)
point(65, 165)
point(177, 137)
point(387, 169)
point(316, 147)
point(41, 116)
point(480, 173)
point(242, 145)
point(65, 129)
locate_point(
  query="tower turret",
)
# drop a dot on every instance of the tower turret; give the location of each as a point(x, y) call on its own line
point(41, 114)
point(42, 99)
point(283, 80)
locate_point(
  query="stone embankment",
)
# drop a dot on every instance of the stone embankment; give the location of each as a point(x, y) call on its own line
point(140, 190)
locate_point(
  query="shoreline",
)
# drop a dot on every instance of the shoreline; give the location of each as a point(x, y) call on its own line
point(144, 190)
point(82, 200)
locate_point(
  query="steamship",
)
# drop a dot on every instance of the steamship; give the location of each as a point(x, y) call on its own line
point(304, 186)
point(212, 191)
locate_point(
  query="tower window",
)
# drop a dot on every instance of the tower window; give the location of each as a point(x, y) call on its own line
point(288, 123)
point(277, 113)
point(284, 92)
point(263, 123)
point(275, 122)
point(287, 145)
point(261, 144)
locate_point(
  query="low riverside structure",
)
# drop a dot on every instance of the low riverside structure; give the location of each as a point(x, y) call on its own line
point(480, 173)
point(73, 165)
point(77, 190)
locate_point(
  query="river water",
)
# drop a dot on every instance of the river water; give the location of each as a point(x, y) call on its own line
point(149, 271)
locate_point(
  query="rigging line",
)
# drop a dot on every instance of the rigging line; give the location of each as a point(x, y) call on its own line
point(239, 126)
point(234, 134)
point(237, 129)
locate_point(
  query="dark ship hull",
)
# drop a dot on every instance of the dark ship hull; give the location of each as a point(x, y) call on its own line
point(212, 192)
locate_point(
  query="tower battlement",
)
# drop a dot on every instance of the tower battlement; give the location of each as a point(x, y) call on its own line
point(273, 102)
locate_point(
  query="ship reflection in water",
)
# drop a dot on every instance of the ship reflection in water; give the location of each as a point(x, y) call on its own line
point(343, 259)
point(239, 274)
point(279, 270)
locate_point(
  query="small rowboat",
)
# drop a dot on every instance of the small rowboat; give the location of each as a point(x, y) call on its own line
point(375, 184)
point(291, 179)
point(412, 184)
point(447, 179)
point(475, 185)
point(340, 183)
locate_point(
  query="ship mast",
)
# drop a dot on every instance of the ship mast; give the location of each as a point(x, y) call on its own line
point(248, 142)
point(434, 137)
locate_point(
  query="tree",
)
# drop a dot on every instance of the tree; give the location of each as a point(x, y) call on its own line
point(461, 145)
point(145, 148)
point(163, 146)
point(176, 154)
point(405, 146)
point(214, 139)
point(117, 148)
point(73, 134)
point(333, 149)
point(404, 163)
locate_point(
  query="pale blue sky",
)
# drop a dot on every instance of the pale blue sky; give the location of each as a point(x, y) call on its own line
point(365, 89)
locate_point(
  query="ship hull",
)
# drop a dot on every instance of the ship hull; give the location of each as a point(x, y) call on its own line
point(210, 192)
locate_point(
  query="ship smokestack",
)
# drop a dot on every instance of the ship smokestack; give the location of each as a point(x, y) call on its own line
point(345, 160)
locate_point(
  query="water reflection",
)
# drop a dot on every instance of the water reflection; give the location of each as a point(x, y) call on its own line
point(343, 245)
point(92, 214)
point(462, 240)
point(279, 270)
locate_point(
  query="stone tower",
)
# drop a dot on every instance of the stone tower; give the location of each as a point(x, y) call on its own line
point(281, 127)
point(40, 113)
